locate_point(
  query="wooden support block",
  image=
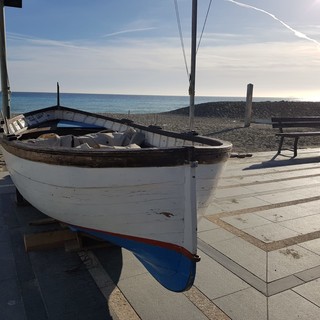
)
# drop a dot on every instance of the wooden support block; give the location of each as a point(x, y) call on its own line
point(85, 241)
point(74, 245)
point(48, 240)
point(71, 241)
point(42, 222)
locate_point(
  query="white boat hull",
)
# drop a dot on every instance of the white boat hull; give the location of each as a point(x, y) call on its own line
point(144, 199)
point(143, 202)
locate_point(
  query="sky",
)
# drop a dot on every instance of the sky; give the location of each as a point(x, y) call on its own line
point(134, 47)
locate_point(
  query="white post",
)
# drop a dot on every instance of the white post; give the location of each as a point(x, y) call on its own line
point(248, 113)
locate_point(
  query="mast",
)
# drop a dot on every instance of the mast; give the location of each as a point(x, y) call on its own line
point(5, 88)
point(193, 62)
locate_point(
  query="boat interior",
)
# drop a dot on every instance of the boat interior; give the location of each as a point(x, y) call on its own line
point(69, 128)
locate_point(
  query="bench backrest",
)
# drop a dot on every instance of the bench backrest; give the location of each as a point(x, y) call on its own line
point(301, 122)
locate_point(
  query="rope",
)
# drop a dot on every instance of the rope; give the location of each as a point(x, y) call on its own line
point(204, 24)
point(181, 36)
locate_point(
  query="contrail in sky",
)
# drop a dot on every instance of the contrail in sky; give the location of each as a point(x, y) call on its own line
point(296, 32)
point(127, 31)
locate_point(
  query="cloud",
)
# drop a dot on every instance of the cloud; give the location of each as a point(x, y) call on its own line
point(40, 41)
point(155, 66)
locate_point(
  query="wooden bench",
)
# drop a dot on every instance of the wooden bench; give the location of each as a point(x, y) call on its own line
point(291, 125)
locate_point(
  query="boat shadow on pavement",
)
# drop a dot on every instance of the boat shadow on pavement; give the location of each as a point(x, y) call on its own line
point(47, 284)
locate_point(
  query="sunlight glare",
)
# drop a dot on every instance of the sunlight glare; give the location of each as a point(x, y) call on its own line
point(311, 97)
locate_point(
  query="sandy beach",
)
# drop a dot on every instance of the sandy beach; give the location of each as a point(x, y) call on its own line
point(225, 120)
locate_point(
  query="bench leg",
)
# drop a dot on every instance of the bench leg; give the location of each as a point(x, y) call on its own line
point(295, 147)
point(280, 145)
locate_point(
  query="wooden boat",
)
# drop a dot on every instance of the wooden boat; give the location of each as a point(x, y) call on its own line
point(138, 187)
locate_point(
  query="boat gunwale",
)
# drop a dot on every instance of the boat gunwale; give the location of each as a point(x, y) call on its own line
point(209, 150)
point(102, 158)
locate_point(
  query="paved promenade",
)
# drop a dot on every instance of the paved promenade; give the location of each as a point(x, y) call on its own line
point(259, 248)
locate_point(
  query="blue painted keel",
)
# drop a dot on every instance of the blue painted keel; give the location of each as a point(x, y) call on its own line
point(170, 265)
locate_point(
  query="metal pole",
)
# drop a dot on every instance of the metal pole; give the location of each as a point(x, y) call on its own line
point(193, 63)
point(4, 74)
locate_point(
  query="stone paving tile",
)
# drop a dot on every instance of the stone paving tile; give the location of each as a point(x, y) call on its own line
point(214, 208)
point(313, 245)
point(235, 203)
point(309, 275)
point(245, 254)
point(152, 301)
point(278, 171)
point(214, 280)
point(290, 260)
point(7, 262)
point(248, 304)
point(303, 225)
point(270, 232)
point(310, 291)
point(205, 225)
point(312, 191)
point(279, 197)
point(245, 221)
point(297, 173)
point(289, 305)
point(5, 180)
point(267, 187)
point(205, 304)
point(7, 189)
point(4, 231)
point(215, 235)
point(233, 267)
point(232, 192)
point(5, 176)
point(119, 263)
point(11, 304)
point(283, 284)
point(233, 181)
point(311, 206)
point(300, 182)
point(65, 291)
point(253, 178)
point(284, 213)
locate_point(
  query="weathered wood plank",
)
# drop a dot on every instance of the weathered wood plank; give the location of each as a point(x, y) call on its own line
point(85, 241)
point(41, 222)
point(47, 240)
point(71, 241)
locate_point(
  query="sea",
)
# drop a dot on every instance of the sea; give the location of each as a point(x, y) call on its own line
point(112, 103)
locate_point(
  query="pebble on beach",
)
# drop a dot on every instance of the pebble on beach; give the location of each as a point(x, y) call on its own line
point(225, 121)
